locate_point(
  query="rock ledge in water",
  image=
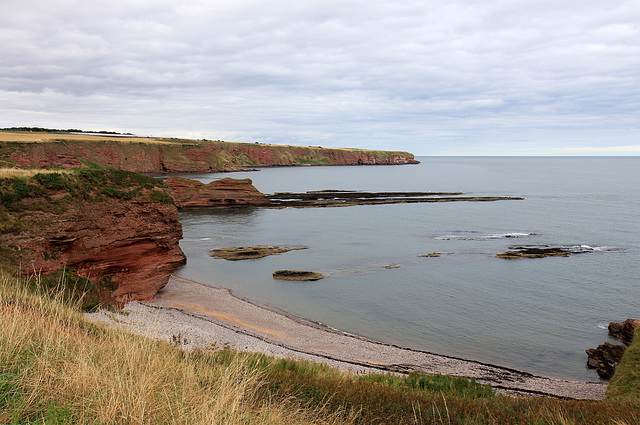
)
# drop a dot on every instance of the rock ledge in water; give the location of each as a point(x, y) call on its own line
point(297, 275)
point(250, 252)
point(541, 251)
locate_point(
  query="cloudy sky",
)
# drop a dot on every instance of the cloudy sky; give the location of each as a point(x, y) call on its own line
point(451, 77)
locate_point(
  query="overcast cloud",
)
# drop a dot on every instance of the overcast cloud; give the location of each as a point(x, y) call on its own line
point(430, 77)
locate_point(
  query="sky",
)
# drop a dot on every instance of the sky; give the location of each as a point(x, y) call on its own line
point(489, 77)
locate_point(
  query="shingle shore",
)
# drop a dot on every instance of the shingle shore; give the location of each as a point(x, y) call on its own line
point(200, 316)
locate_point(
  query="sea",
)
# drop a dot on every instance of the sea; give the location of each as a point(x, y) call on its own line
point(535, 315)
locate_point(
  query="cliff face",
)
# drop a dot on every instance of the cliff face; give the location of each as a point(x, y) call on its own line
point(225, 192)
point(41, 150)
point(121, 235)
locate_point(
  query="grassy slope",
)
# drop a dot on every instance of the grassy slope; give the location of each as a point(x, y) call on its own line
point(625, 384)
point(56, 367)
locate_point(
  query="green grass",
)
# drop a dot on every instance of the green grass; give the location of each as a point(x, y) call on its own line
point(625, 384)
point(85, 183)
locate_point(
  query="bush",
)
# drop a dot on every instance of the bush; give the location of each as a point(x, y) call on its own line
point(51, 180)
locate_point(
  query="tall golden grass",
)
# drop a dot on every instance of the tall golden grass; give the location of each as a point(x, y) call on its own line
point(22, 172)
point(35, 137)
point(59, 368)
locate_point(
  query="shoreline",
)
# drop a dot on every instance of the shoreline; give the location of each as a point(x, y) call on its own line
point(200, 316)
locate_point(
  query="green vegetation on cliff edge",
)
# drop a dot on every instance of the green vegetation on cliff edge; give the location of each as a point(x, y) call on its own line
point(30, 201)
point(147, 154)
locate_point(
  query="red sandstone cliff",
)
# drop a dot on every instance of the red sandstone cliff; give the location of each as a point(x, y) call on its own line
point(42, 150)
point(132, 243)
point(224, 192)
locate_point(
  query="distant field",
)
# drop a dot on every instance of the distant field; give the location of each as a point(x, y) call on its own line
point(33, 137)
point(37, 137)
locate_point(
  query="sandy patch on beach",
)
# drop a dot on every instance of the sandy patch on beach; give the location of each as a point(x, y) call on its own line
point(209, 318)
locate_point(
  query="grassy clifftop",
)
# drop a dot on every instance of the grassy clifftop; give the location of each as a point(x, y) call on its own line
point(142, 154)
point(117, 229)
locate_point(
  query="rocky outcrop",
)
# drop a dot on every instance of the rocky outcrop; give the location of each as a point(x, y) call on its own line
point(250, 252)
point(123, 236)
point(346, 198)
point(156, 155)
point(531, 251)
point(225, 192)
point(624, 331)
point(606, 356)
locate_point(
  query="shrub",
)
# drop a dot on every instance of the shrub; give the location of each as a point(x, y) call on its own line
point(161, 196)
point(51, 180)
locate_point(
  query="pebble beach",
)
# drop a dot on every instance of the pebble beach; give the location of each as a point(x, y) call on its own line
point(197, 316)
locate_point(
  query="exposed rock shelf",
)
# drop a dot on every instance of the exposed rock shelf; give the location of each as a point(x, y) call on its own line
point(340, 198)
point(250, 252)
point(542, 251)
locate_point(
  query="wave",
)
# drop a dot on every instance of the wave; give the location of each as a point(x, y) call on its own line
point(589, 248)
point(479, 236)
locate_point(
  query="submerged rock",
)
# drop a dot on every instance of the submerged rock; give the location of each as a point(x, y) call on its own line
point(431, 255)
point(297, 275)
point(250, 252)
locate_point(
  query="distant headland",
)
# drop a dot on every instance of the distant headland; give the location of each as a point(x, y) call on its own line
point(46, 148)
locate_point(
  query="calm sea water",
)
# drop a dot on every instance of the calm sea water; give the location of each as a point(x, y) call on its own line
point(535, 315)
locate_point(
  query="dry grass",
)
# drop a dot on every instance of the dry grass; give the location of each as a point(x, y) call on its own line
point(35, 137)
point(21, 172)
point(57, 368)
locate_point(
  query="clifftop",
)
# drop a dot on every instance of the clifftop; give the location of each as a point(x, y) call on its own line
point(143, 154)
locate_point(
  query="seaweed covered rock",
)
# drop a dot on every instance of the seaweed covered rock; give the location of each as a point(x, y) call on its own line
point(541, 251)
point(250, 252)
point(297, 275)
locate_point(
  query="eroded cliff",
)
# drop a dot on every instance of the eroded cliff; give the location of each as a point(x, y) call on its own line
point(119, 230)
point(153, 155)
